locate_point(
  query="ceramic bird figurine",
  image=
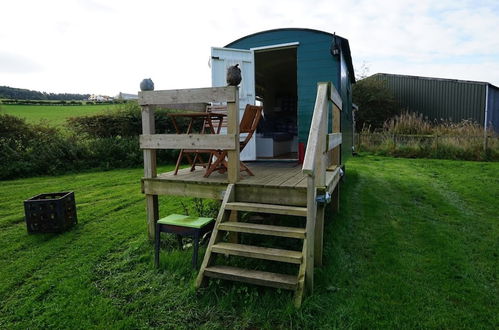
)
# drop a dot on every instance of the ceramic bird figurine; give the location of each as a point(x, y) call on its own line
point(233, 75)
point(146, 85)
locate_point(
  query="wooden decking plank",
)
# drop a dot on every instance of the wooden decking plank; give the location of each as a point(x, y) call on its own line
point(292, 181)
point(302, 183)
point(268, 208)
point(282, 281)
point(261, 176)
point(253, 228)
point(282, 174)
point(251, 251)
point(271, 184)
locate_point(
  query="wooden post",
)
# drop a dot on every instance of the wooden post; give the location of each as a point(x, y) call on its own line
point(310, 230)
point(233, 163)
point(152, 209)
point(320, 183)
point(319, 233)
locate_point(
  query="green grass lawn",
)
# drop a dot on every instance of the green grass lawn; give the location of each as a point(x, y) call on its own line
point(55, 115)
point(414, 246)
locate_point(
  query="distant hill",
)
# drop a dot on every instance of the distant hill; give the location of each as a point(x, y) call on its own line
point(26, 94)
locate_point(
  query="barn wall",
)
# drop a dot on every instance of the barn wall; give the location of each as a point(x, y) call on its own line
point(493, 107)
point(438, 98)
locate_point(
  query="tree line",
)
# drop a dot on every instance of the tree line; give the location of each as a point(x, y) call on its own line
point(26, 94)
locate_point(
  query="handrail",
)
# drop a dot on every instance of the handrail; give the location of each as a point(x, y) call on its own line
point(322, 150)
point(319, 141)
point(316, 132)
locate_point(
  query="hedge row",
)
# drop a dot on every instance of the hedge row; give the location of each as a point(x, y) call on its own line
point(104, 142)
point(50, 102)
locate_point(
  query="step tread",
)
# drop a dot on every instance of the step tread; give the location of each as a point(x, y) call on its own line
point(267, 208)
point(276, 280)
point(254, 228)
point(258, 252)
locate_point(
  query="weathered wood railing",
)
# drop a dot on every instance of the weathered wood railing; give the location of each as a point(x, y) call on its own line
point(150, 142)
point(323, 150)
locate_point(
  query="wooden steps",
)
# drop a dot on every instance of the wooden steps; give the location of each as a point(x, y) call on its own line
point(225, 223)
point(251, 251)
point(282, 281)
point(267, 208)
point(253, 228)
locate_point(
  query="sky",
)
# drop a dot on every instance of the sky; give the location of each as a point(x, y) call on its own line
point(107, 47)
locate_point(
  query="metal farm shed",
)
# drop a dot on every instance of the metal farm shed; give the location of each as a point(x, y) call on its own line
point(447, 99)
point(281, 69)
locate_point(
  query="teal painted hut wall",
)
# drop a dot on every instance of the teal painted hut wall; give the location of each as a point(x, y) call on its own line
point(314, 64)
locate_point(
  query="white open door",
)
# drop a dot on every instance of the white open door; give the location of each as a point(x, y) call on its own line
point(221, 59)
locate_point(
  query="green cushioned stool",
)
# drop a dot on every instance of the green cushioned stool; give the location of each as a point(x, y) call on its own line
point(182, 225)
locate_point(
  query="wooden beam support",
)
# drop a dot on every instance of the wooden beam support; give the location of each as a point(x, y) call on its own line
point(333, 140)
point(245, 193)
point(150, 171)
point(188, 141)
point(233, 163)
point(310, 229)
point(336, 98)
point(319, 234)
point(183, 96)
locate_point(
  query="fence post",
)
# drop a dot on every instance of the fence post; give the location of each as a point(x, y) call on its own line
point(233, 165)
point(152, 209)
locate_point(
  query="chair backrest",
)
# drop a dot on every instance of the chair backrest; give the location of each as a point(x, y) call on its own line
point(251, 117)
point(249, 122)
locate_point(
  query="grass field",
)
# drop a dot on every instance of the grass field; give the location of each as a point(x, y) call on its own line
point(415, 246)
point(54, 115)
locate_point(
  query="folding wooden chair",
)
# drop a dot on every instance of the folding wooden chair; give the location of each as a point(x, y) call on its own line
point(209, 119)
point(248, 124)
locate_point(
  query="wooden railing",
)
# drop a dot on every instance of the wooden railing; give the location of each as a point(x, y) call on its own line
point(176, 99)
point(323, 151)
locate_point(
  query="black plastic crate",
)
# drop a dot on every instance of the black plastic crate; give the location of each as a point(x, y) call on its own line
point(50, 213)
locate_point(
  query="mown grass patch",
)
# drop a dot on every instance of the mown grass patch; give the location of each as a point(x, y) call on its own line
point(55, 115)
point(414, 246)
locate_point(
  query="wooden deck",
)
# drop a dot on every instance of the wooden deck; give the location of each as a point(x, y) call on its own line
point(274, 182)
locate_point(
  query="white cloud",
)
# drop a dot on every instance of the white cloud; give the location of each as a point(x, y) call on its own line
point(109, 46)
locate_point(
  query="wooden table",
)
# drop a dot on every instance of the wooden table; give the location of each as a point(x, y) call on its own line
point(208, 118)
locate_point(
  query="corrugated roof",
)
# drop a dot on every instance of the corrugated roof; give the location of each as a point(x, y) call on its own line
point(436, 78)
